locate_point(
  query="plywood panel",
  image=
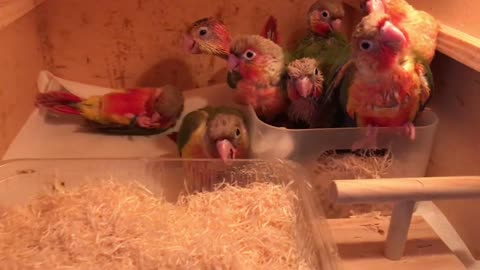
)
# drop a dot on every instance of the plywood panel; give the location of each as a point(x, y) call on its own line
point(11, 10)
point(21, 60)
point(361, 242)
point(457, 147)
point(459, 14)
point(126, 43)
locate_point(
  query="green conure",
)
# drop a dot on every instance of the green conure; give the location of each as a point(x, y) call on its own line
point(214, 132)
point(324, 41)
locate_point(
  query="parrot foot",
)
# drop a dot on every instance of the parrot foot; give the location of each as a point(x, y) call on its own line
point(369, 141)
point(409, 129)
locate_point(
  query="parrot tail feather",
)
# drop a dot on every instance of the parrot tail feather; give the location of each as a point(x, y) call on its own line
point(270, 30)
point(58, 101)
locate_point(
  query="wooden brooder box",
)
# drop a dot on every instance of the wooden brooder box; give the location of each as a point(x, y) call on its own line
point(130, 43)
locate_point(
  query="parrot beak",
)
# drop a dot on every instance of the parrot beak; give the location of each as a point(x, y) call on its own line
point(336, 25)
point(233, 63)
point(190, 45)
point(304, 87)
point(392, 36)
point(225, 150)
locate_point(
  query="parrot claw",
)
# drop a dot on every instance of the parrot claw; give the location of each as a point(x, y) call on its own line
point(410, 130)
point(369, 141)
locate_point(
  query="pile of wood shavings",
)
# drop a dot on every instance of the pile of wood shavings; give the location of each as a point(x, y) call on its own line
point(114, 226)
point(333, 166)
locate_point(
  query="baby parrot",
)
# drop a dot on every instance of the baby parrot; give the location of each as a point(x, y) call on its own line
point(420, 28)
point(305, 90)
point(260, 63)
point(132, 111)
point(384, 85)
point(324, 37)
point(208, 36)
point(214, 132)
point(325, 43)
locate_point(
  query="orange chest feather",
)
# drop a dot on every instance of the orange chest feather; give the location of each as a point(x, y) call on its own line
point(390, 100)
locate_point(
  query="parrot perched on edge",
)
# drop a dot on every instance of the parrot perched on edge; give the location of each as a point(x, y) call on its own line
point(421, 29)
point(214, 132)
point(384, 84)
point(305, 91)
point(260, 63)
point(136, 111)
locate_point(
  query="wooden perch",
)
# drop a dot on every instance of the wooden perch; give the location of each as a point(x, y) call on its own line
point(405, 192)
point(407, 189)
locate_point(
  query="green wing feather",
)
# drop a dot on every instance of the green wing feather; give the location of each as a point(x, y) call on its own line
point(430, 82)
point(191, 122)
point(334, 59)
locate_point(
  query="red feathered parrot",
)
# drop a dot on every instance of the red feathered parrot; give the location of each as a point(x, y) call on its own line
point(384, 84)
point(420, 28)
point(260, 63)
point(132, 111)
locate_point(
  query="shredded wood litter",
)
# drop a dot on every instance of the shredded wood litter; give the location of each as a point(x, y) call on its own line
point(363, 165)
point(118, 226)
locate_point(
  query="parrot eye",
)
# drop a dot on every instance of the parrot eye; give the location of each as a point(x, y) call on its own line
point(316, 71)
point(325, 14)
point(366, 45)
point(237, 132)
point(249, 55)
point(203, 31)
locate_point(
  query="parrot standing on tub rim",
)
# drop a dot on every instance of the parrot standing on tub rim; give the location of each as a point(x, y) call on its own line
point(420, 28)
point(384, 84)
point(214, 132)
point(135, 111)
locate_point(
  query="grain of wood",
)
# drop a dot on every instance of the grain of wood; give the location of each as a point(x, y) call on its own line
point(361, 243)
point(405, 189)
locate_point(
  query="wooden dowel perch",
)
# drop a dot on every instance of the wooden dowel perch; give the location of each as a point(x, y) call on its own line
point(405, 192)
point(406, 189)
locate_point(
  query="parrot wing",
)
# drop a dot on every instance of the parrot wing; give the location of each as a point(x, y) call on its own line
point(335, 66)
point(344, 86)
point(333, 59)
point(191, 122)
point(132, 130)
point(427, 82)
